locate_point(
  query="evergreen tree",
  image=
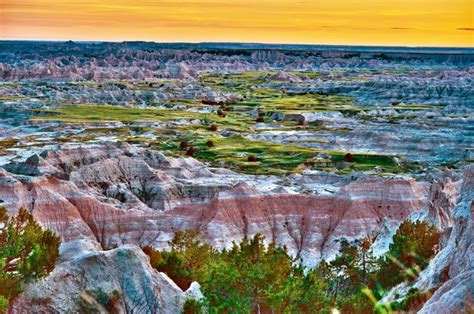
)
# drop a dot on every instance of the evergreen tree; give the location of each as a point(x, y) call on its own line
point(409, 253)
point(255, 277)
point(27, 252)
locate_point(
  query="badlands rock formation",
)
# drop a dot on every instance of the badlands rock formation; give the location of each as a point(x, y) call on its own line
point(118, 194)
point(62, 190)
point(103, 196)
point(402, 115)
point(118, 281)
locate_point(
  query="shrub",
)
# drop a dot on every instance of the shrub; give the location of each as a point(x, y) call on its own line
point(252, 158)
point(249, 277)
point(191, 306)
point(210, 144)
point(355, 274)
point(191, 151)
point(253, 277)
point(221, 113)
point(260, 120)
point(3, 304)
point(183, 145)
point(27, 252)
point(185, 261)
point(348, 157)
point(213, 128)
point(412, 302)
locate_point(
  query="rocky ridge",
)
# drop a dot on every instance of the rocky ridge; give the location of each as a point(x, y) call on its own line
point(449, 277)
point(117, 194)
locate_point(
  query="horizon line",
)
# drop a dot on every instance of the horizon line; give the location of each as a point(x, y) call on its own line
point(232, 42)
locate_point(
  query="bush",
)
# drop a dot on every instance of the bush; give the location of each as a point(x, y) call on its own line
point(3, 304)
point(183, 145)
point(221, 113)
point(186, 260)
point(252, 158)
point(413, 301)
point(355, 274)
point(191, 306)
point(191, 151)
point(27, 252)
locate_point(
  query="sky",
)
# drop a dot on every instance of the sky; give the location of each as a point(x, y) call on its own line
point(347, 22)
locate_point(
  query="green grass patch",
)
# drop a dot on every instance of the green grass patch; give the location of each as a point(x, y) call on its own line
point(414, 107)
point(233, 153)
point(361, 161)
point(306, 74)
point(105, 113)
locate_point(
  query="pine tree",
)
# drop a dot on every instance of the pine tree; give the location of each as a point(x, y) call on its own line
point(27, 252)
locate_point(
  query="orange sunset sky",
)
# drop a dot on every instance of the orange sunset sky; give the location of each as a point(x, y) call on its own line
point(351, 22)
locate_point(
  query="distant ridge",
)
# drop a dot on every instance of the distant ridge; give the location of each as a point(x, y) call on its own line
point(258, 46)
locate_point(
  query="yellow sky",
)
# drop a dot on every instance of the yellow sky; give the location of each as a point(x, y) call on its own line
point(351, 22)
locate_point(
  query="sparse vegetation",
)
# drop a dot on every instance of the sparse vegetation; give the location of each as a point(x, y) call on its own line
point(194, 121)
point(253, 90)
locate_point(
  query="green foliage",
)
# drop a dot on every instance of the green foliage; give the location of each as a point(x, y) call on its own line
point(3, 304)
point(27, 252)
point(413, 301)
point(248, 277)
point(410, 252)
point(254, 277)
point(348, 274)
point(355, 274)
point(191, 306)
point(186, 261)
